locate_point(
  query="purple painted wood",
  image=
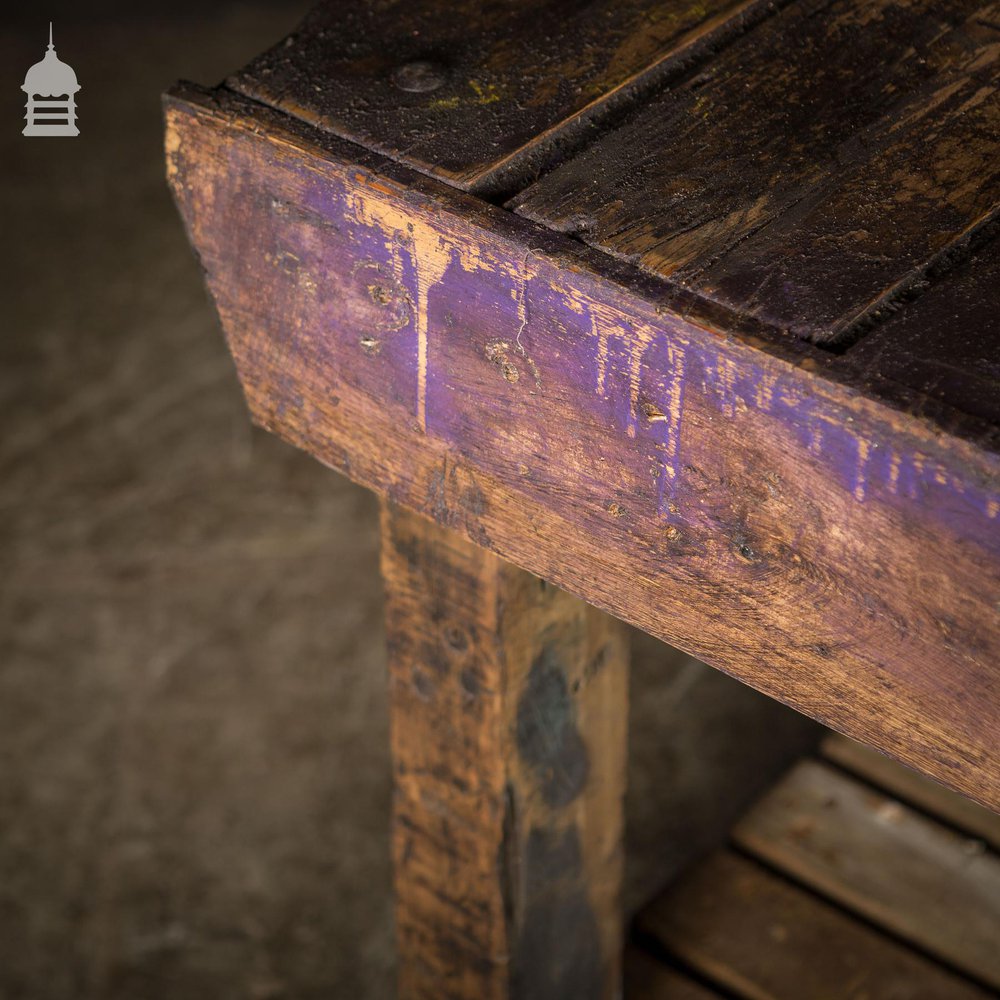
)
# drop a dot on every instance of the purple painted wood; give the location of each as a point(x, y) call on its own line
point(655, 456)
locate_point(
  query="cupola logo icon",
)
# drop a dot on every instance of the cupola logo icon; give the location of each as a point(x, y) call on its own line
point(51, 88)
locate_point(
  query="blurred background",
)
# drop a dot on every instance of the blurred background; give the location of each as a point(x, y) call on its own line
point(194, 794)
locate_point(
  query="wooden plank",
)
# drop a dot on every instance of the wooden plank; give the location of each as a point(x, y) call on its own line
point(660, 461)
point(480, 95)
point(946, 344)
point(869, 852)
point(914, 788)
point(766, 939)
point(815, 169)
point(508, 704)
point(646, 978)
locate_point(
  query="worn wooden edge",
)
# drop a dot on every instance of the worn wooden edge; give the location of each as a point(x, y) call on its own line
point(929, 418)
point(524, 523)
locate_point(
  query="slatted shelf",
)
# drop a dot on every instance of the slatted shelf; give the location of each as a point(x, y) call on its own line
point(914, 788)
point(857, 881)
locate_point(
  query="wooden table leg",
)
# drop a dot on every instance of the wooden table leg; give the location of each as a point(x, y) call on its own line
point(508, 703)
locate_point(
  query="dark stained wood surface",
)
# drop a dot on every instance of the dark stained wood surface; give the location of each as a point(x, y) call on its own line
point(946, 343)
point(905, 872)
point(764, 938)
point(812, 172)
point(508, 705)
point(650, 455)
point(478, 94)
point(914, 788)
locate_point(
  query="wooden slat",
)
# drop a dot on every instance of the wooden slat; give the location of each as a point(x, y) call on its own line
point(910, 875)
point(766, 939)
point(478, 94)
point(946, 344)
point(646, 455)
point(914, 788)
point(812, 171)
point(646, 978)
point(508, 714)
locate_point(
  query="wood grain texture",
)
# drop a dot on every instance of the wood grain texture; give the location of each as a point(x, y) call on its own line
point(916, 878)
point(497, 89)
point(763, 938)
point(508, 705)
point(914, 788)
point(814, 170)
point(946, 343)
point(708, 485)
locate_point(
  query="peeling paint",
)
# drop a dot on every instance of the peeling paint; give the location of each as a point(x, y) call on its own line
point(619, 352)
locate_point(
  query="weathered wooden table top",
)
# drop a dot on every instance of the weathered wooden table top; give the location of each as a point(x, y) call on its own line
point(689, 308)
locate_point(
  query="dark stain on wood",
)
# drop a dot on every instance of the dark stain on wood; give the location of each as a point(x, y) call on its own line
point(508, 862)
point(946, 344)
point(457, 500)
point(472, 682)
point(559, 954)
point(812, 173)
point(517, 84)
point(500, 894)
point(547, 736)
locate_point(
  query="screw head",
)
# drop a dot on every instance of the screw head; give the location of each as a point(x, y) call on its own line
point(420, 76)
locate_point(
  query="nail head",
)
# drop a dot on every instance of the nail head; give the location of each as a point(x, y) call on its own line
point(420, 76)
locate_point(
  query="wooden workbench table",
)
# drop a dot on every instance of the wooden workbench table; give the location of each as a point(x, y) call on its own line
point(691, 310)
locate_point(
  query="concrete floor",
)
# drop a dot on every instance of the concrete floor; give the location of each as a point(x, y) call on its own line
point(193, 751)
